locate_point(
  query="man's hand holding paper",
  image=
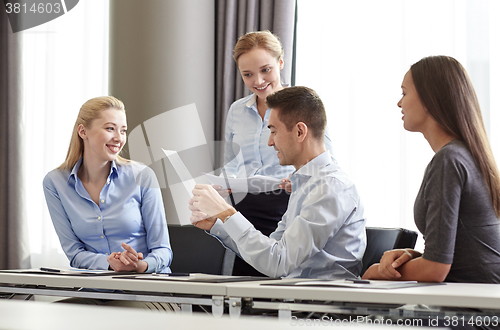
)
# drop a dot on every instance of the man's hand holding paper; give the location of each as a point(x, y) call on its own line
point(207, 205)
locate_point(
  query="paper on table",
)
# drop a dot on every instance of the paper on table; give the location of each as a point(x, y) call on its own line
point(188, 277)
point(181, 170)
point(365, 284)
point(72, 271)
point(257, 183)
point(181, 192)
point(195, 277)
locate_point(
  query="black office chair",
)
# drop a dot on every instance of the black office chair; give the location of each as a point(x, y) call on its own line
point(197, 252)
point(379, 240)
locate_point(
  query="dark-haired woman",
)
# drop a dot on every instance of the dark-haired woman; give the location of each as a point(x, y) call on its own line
point(458, 206)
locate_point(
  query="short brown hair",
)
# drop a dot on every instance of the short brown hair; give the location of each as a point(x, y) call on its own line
point(300, 104)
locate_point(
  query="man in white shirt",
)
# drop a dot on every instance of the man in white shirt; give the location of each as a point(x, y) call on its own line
point(322, 233)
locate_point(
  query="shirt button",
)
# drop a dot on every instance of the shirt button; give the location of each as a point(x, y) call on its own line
point(107, 182)
point(218, 233)
point(102, 236)
point(102, 200)
point(98, 218)
point(107, 253)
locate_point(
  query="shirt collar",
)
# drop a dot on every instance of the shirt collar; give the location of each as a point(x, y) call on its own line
point(315, 165)
point(114, 169)
point(74, 171)
point(252, 101)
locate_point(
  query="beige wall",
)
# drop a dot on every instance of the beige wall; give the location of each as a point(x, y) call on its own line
point(162, 58)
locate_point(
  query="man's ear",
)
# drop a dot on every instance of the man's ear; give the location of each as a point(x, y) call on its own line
point(302, 131)
point(82, 131)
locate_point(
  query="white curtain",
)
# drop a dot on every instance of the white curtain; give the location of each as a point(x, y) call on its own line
point(355, 54)
point(65, 64)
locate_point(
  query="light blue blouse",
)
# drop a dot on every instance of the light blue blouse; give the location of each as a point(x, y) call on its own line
point(130, 210)
point(246, 131)
point(321, 235)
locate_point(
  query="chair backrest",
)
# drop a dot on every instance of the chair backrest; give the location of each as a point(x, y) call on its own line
point(195, 251)
point(379, 240)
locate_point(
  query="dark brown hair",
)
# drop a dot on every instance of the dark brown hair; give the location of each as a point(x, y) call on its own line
point(300, 104)
point(445, 90)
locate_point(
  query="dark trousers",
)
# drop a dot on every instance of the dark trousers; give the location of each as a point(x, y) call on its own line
point(264, 211)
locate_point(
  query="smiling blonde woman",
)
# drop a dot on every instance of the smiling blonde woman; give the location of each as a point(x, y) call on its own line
point(107, 211)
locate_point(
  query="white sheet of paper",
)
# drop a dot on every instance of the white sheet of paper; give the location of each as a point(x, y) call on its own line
point(257, 183)
point(181, 197)
point(181, 169)
point(367, 284)
point(182, 191)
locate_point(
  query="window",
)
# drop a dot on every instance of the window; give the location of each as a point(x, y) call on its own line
point(355, 54)
point(65, 63)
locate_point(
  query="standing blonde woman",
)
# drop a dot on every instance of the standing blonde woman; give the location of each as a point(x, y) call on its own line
point(458, 206)
point(259, 58)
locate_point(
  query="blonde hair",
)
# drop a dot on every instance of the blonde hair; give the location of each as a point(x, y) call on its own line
point(259, 39)
point(445, 89)
point(90, 110)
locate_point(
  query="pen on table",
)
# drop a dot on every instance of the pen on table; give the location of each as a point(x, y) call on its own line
point(357, 281)
point(170, 274)
point(50, 270)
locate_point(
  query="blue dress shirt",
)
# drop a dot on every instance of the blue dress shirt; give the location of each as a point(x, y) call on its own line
point(130, 210)
point(321, 235)
point(248, 132)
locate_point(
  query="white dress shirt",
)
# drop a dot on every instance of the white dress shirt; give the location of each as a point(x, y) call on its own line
point(321, 235)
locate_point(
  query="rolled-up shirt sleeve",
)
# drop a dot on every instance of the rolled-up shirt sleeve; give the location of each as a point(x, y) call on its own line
point(320, 218)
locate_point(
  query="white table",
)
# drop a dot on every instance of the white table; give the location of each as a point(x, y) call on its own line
point(365, 301)
point(253, 294)
point(18, 315)
point(183, 293)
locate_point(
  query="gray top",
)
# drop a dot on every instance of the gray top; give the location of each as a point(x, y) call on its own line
point(453, 210)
